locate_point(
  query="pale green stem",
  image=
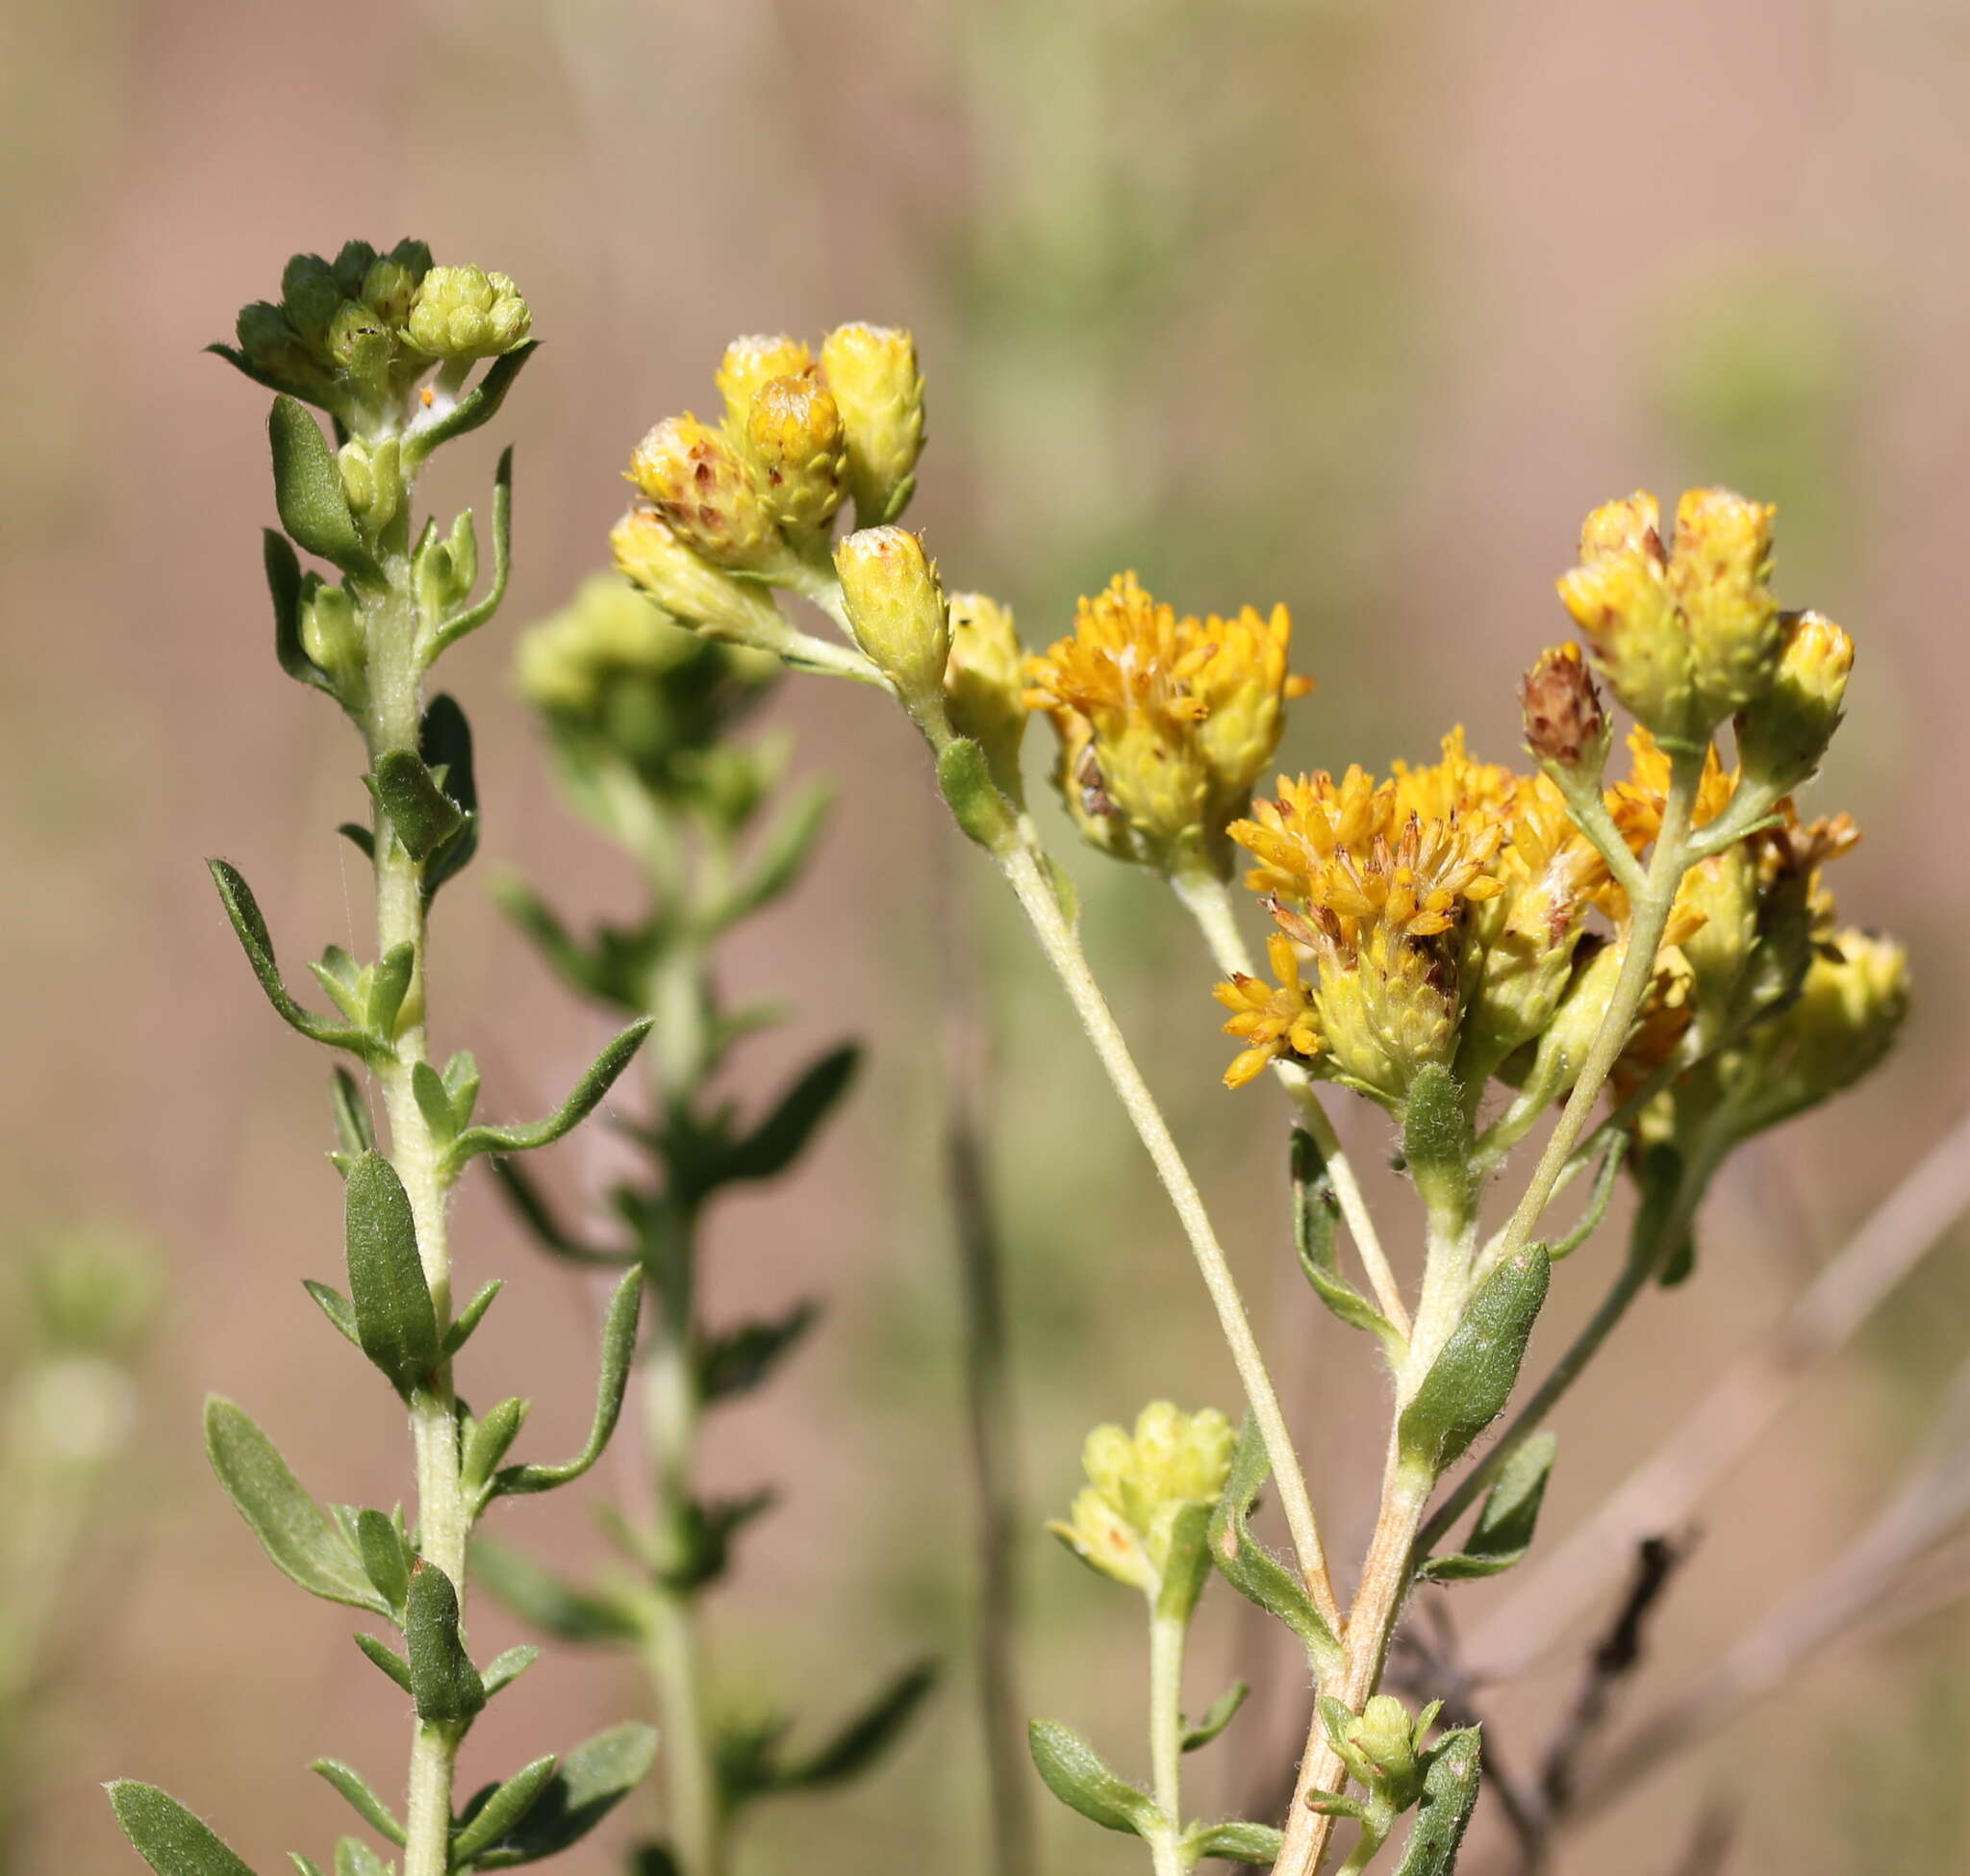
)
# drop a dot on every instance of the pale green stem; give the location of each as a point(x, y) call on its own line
point(1058, 939)
point(1208, 901)
point(1167, 1636)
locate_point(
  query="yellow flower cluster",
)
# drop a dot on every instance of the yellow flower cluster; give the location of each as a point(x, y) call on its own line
point(1165, 721)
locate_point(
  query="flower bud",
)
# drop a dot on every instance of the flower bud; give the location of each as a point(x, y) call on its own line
point(1720, 572)
point(310, 297)
point(984, 685)
point(685, 584)
point(359, 344)
point(752, 363)
point(1565, 723)
point(872, 372)
point(464, 312)
point(1619, 596)
point(1139, 1483)
point(794, 433)
point(896, 612)
point(331, 632)
point(389, 288)
point(1843, 1024)
point(1781, 737)
point(708, 493)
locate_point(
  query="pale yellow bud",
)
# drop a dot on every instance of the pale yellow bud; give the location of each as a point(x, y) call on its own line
point(872, 372)
point(794, 435)
point(755, 360)
point(1781, 737)
point(708, 493)
point(984, 684)
point(1721, 570)
point(896, 612)
point(686, 585)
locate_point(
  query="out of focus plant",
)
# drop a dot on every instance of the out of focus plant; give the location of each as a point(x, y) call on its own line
point(642, 718)
point(1663, 939)
point(403, 357)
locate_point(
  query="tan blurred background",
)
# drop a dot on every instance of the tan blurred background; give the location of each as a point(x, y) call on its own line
point(1357, 306)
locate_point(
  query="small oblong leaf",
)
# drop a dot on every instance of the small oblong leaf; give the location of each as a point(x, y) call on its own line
point(1074, 1773)
point(422, 814)
point(596, 1777)
point(1503, 1531)
point(1236, 1841)
point(385, 1559)
point(388, 982)
point(351, 1117)
point(1316, 1215)
point(508, 1665)
point(1449, 1794)
point(445, 1685)
point(470, 1316)
point(1252, 1570)
point(384, 1657)
point(243, 909)
point(619, 1351)
point(395, 1320)
point(737, 1360)
point(1216, 1719)
point(586, 1097)
point(364, 1801)
point(536, 1595)
point(1468, 1384)
point(334, 1305)
point(308, 490)
point(444, 741)
point(355, 1858)
point(284, 586)
point(489, 1442)
point(304, 1544)
point(503, 1809)
point(167, 1836)
point(781, 1137)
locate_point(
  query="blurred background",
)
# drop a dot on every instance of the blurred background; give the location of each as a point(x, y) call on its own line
point(1357, 306)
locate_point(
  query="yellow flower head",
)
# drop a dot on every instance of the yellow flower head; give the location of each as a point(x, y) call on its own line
point(1139, 1482)
point(703, 487)
point(1271, 1021)
point(1165, 721)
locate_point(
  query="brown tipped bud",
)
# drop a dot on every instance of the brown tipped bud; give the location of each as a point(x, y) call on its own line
point(896, 611)
point(753, 362)
point(1565, 723)
point(707, 494)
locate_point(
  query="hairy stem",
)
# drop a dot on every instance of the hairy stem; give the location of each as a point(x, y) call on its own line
point(1167, 1636)
point(1058, 939)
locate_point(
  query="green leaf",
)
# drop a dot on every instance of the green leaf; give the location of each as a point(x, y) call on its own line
point(445, 1685)
point(394, 1317)
point(778, 1140)
point(446, 742)
point(781, 856)
point(364, 1801)
point(618, 1350)
point(388, 982)
point(1235, 1842)
point(304, 1865)
point(531, 1203)
point(1316, 1214)
point(489, 1442)
point(862, 1739)
point(334, 1305)
point(593, 1780)
point(422, 814)
point(703, 1547)
point(1188, 1567)
point(355, 1858)
point(1597, 1201)
point(586, 1097)
point(386, 1657)
point(1437, 1141)
point(470, 1316)
point(351, 1116)
point(283, 585)
point(1252, 1570)
point(303, 1541)
point(508, 1665)
point(1074, 1772)
point(538, 1596)
point(1503, 1531)
point(502, 1807)
point(308, 492)
point(167, 1836)
point(385, 1558)
point(963, 779)
point(251, 928)
point(479, 405)
point(1450, 1792)
point(1216, 1719)
point(737, 1360)
point(476, 615)
point(434, 1102)
point(1468, 1384)
point(359, 837)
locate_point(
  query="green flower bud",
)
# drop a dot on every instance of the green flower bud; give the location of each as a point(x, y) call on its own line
point(310, 297)
point(464, 312)
point(359, 343)
point(898, 615)
point(984, 685)
point(332, 631)
point(872, 372)
point(1781, 737)
point(389, 289)
point(1139, 1483)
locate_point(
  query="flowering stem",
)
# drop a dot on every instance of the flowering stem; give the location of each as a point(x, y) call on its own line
point(1022, 871)
point(1167, 1636)
point(1209, 903)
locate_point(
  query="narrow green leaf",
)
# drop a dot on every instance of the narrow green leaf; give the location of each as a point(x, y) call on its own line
point(1252, 1570)
point(167, 1836)
point(334, 1305)
point(1468, 1384)
point(593, 1780)
point(446, 742)
point(1449, 1794)
point(284, 586)
point(351, 1116)
point(1316, 1214)
point(503, 1810)
point(1597, 1201)
point(308, 490)
point(489, 1442)
point(531, 1203)
point(461, 1078)
point(422, 814)
point(360, 837)
point(304, 1865)
point(387, 1658)
point(1504, 1526)
point(508, 1665)
point(587, 1096)
point(355, 1858)
point(618, 1350)
point(782, 1137)
point(963, 779)
point(571, 960)
point(1235, 1842)
point(538, 1596)
point(251, 928)
point(385, 1559)
point(364, 1801)
point(781, 856)
point(394, 1317)
point(862, 1739)
point(1216, 1719)
point(737, 1360)
point(470, 1316)
point(388, 982)
point(1074, 1772)
point(303, 1543)
point(477, 614)
point(479, 405)
point(445, 1685)
point(434, 1102)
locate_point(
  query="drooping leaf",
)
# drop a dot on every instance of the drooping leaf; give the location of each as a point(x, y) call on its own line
point(508, 1665)
point(303, 1541)
point(488, 1820)
point(592, 1781)
point(364, 1801)
point(167, 1836)
point(479, 405)
point(1236, 1841)
point(1074, 1773)
point(1504, 1526)
point(1216, 1719)
point(1316, 1214)
point(536, 1595)
point(1252, 1570)
point(865, 1736)
point(587, 1096)
point(395, 1317)
point(251, 928)
point(782, 1137)
point(1468, 1384)
point(737, 1359)
point(445, 1685)
point(1450, 1792)
point(619, 1351)
point(308, 492)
